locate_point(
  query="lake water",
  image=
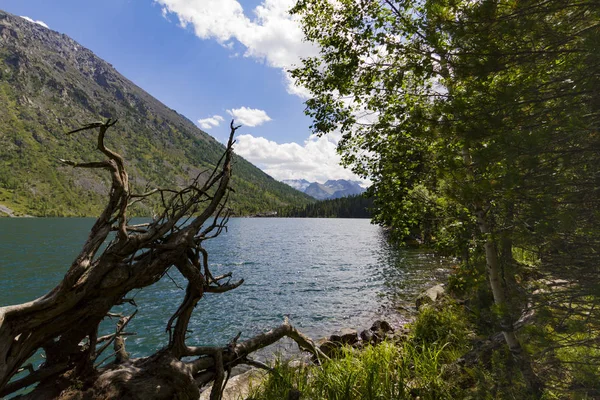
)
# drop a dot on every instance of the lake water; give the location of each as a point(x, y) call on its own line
point(323, 273)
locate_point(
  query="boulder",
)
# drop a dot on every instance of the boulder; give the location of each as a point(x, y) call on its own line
point(345, 336)
point(328, 347)
point(368, 337)
point(430, 296)
point(381, 326)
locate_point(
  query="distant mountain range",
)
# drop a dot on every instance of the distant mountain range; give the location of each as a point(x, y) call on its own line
point(49, 85)
point(332, 189)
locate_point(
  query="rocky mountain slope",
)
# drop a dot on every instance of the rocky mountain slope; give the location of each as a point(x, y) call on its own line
point(49, 84)
point(332, 189)
point(298, 184)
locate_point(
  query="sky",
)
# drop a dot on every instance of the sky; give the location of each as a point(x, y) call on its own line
point(211, 60)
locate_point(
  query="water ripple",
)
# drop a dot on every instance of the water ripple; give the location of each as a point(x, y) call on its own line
point(322, 273)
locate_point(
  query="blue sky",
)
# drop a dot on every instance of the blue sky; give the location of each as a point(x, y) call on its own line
point(210, 60)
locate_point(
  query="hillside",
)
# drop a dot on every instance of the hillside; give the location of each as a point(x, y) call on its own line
point(49, 84)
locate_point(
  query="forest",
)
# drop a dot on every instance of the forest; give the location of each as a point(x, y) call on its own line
point(345, 207)
point(478, 123)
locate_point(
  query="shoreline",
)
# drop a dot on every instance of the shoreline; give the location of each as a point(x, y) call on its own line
point(245, 379)
point(7, 212)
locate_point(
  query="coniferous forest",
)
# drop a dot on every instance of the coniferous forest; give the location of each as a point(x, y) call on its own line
point(344, 207)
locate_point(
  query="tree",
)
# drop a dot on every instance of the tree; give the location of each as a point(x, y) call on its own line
point(63, 324)
point(476, 121)
point(356, 206)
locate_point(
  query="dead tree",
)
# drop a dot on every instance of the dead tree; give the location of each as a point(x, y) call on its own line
point(63, 324)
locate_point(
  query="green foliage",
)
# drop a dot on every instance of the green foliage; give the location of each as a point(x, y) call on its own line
point(424, 364)
point(282, 380)
point(440, 325)
point(447, 78)
point(470, 282)
point(565, 339)
point(482, 135)
point(464, 280)
point(383, 372)
point(421, 365)
point(498, 380)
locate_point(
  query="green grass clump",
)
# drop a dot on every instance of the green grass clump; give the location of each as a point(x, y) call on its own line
point(418, 366)
point(562, 343)
point(386, 371)
point(445, 326)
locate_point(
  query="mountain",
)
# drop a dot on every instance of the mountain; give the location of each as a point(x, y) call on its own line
point(298, 184)
point(332, 189)
point(319, 191)
point(50, 84)
point(344, 188)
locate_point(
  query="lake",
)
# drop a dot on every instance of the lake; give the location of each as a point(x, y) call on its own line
point(323, 274)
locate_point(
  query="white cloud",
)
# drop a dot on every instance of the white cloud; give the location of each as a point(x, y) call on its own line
point(164, 13)
point(210, 122)
point(272, 36)
point(294, 89)
point(42, 23)
point(249, 116)
point(316, 160)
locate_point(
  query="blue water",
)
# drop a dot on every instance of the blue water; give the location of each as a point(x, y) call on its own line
point(323, 274)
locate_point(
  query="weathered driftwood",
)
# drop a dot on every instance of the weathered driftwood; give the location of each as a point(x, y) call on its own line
point(64, 323)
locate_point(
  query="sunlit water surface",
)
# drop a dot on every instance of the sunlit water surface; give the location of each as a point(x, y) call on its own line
point(323, 274)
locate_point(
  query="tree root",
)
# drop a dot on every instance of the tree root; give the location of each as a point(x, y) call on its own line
point(164, 376)
point(63, 324)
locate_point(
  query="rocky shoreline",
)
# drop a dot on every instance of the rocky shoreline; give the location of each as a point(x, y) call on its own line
point(379, 331)
point(240, 385)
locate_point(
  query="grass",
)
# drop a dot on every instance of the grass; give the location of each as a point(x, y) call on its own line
point(418, 366)
point(386, 371)
point(423, 365)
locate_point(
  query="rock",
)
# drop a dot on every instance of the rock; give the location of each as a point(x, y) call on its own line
point(345, 336)
point(430, 296)
point(6, 210)
point(239, 386)
point(381, 326)
point(328, 347)
point(367, 336)
point(401, 334)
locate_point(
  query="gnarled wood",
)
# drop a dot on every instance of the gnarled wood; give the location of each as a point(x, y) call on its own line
point(64, 323)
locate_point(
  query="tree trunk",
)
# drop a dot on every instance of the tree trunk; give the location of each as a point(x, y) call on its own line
point(521, 357)
point(493, 268)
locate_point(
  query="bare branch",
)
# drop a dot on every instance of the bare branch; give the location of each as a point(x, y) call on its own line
point(223, 288)
point(112, 335)
point(120, 326)
point(37, 376)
